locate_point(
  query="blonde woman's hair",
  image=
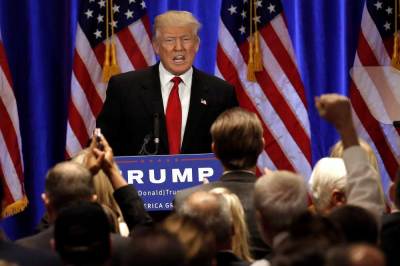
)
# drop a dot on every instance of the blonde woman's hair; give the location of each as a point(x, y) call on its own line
point(197, 240)
point(102, 186)
point(240, 238)
point(175, 18)
point(337, 151)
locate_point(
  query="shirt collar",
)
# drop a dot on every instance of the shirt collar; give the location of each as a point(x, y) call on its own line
point(166, 76)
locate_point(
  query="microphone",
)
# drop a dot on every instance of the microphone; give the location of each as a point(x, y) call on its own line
point(156, 121)
point(156, 128)
point(155, 136)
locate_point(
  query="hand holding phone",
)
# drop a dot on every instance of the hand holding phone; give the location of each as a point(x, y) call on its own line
point(97, 135)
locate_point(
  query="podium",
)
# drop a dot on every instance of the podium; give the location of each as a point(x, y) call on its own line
point(157, 178)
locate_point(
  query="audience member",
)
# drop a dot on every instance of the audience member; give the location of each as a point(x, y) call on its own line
point(240, 238)
point(82, 235)
point(155, 246)
point(279, 197)
point(357, 224)
point(66, 183)
point(337, 152)
point(237, 141)
point(104, 191)
point(197, 240)
point(214, 212)
point(328, 184)
point(390, 231)
point(362, 187)
point(12, 254)
point(355, 255)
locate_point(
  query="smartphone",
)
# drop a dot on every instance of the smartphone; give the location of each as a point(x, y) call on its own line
point(97, 135)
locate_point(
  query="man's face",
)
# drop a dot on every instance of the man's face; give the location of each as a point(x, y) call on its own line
point(176, 47)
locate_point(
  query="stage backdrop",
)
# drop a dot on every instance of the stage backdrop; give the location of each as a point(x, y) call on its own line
point(39, 40)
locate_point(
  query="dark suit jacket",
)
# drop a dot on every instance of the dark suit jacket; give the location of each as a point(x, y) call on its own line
point(242, 184)
point(41, 241)
point(12, 252)
point(133, 99)
point(228, 258)
point(390, 238)
point(132, 208)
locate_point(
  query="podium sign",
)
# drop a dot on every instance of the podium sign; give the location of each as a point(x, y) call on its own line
point(158, 178)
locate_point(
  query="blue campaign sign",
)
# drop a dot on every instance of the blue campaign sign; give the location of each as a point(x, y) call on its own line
point(158, 178)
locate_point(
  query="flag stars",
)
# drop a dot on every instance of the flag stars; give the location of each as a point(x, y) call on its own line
point(132, 1)
point(232, 9)
point(378, 5)
point(115, 8)
point(143, 4)
point(89, 13)
point(387, 26)
point(271, 8)
point(97, 33)
point(389, 10)
point(258, 3)
point(242, 30)
point(102, 3)
point(243, 14)
point(113, 24)
point(257, 19)
point(128, 14)
point(100, 18)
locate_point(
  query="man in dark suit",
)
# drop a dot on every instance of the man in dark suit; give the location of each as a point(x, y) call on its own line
point(390, 231)
point(13, 253)
point(66, 183)
point(172, 102)
point(237, 141)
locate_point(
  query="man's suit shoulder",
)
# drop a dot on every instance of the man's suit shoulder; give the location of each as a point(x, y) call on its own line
point(134, 76)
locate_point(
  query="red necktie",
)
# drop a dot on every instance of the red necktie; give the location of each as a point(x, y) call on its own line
point(174, 118)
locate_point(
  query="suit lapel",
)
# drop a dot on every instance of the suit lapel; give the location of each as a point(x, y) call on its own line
point(198, 97)
point(152, 99)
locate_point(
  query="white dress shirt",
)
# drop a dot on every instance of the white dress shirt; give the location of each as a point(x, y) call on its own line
point(184, 92)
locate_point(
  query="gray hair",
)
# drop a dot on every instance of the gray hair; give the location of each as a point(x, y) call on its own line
point(212, 210)
point(328, 174)
point(280, 197)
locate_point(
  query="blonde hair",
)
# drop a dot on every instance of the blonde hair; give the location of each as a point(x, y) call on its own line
point(240, 238)
point(102, 187)
point(197, 240)
point(338, 149)
point(175, 18)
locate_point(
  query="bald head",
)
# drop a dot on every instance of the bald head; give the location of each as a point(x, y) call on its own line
point(66, 182)
point(213, 211)
point(366, 255)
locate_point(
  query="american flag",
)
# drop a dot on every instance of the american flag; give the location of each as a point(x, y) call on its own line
point(372, 97)
point(11, 164)
point(278, 95)
point(134, 51)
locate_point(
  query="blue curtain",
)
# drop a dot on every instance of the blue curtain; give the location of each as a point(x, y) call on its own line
point(39, 36)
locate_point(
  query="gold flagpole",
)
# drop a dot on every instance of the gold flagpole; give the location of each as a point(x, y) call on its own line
point(250, 64)
point(257, 51)
point(114, 64)
point(106, 63)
